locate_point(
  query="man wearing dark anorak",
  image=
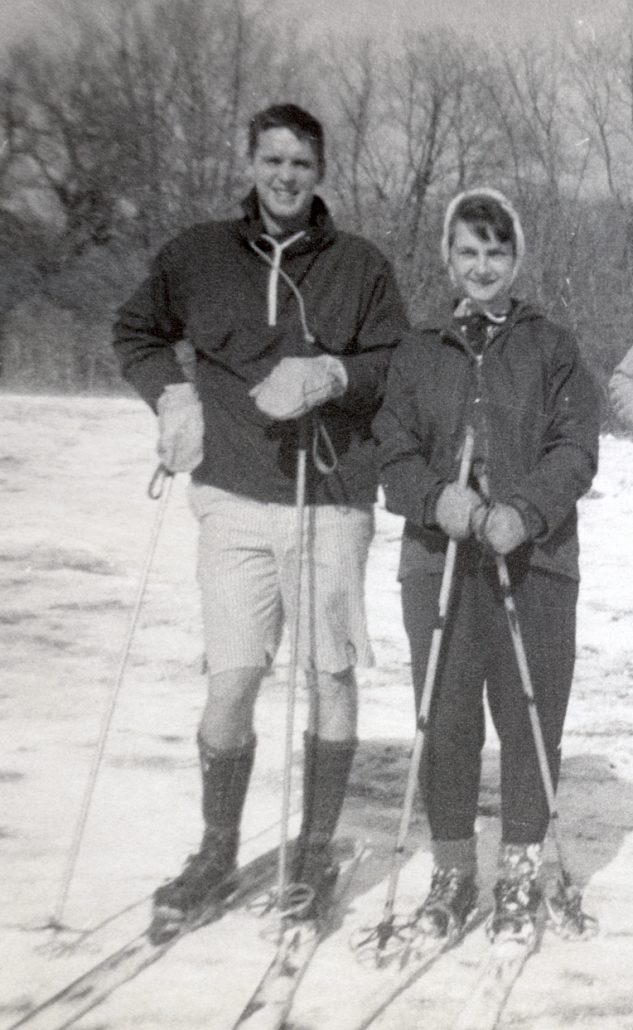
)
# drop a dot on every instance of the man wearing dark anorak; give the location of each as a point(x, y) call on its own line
point(292, 323)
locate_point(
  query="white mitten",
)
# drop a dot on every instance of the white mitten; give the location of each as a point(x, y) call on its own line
point(296, 385)
point(180, 428)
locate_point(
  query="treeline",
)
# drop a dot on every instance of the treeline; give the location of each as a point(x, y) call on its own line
point(134, 127)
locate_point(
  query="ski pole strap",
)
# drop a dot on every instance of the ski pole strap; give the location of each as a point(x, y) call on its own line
point(157, 482)
point(326, 461)
point(481, 475)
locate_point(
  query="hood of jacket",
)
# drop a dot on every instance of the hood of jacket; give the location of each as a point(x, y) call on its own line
point(319, 233)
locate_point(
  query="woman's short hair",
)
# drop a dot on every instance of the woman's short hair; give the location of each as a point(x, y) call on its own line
point(484, 215)
point(486, 211)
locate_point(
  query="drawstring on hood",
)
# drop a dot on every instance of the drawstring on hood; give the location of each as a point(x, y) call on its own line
point(276, 271)
point(325, 463)
point(273, 280)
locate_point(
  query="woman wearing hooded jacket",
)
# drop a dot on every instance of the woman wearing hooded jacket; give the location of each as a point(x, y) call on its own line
point(496, 364)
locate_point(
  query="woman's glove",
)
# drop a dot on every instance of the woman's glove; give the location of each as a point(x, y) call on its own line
point(454, 509)
point(180, 428)
point(500, 527)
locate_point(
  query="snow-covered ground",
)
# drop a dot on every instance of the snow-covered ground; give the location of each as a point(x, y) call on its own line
point(75, 524)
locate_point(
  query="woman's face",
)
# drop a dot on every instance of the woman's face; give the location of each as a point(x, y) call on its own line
point(481, 269)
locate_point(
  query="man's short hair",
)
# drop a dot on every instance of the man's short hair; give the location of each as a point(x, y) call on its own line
point(288, 116)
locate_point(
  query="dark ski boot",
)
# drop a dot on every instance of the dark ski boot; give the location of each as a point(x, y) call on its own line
point(313, 877)
point(326, 773)
point(207, 876)
point(210, 874)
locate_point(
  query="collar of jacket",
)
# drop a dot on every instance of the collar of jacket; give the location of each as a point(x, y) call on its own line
point(320, 232)
point(442, 323)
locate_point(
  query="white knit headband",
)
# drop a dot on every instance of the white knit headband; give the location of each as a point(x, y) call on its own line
point(503, 202)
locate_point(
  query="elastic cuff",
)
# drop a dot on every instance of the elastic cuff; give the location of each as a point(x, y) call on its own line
point(430, 506)
point(535, 524)
point(337, 370)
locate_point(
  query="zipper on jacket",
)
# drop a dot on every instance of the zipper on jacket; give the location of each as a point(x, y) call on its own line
point(479, 414)
point(480, 421)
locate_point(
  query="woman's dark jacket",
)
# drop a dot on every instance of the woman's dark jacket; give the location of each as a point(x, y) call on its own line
point(534, 410)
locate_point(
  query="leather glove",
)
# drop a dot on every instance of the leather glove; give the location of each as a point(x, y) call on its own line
point(500, 527)
point(296, 385)
point(454, 508)
point(180, 428)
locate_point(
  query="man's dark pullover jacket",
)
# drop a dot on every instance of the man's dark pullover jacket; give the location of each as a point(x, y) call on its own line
point(210, 285)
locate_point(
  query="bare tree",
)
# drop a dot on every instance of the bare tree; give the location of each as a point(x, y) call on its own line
point(134, 127)
point(62, 142)
point(358, 168)
point(602, 70)
point(529, 102)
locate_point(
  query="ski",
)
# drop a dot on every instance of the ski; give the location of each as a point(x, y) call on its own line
point(395, 979)
point(75, 999)
point(270, 1003)
point(500, 971)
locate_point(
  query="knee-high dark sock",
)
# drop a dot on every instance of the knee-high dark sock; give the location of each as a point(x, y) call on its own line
point(327, 766)
point(225, 778)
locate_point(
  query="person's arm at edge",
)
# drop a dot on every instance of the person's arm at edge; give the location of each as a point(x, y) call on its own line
point(621, 390)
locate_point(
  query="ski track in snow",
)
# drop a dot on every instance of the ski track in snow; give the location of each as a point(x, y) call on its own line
point(75, 523)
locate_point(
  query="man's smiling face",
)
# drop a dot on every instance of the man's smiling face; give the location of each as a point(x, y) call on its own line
point(285, 172)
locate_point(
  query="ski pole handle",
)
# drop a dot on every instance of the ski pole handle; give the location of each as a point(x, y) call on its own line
point(451, 550)
point(467, 456)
